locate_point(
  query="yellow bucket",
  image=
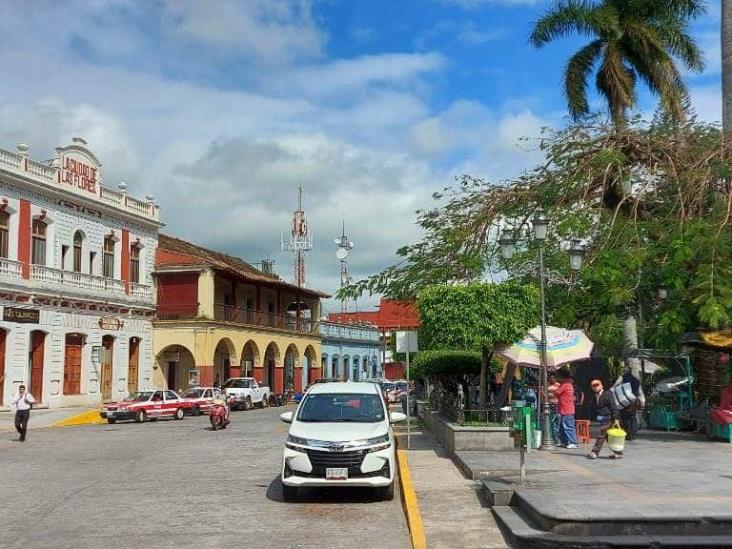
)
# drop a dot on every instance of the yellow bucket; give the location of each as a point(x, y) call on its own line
point(616, 437)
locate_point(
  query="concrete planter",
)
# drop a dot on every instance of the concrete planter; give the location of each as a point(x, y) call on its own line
point(455, 437)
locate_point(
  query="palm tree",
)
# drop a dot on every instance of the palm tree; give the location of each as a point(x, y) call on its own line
point(727, 67)
point(632, 40)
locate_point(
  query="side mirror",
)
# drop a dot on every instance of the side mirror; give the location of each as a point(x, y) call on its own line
point(287, 417)
point(396, 417)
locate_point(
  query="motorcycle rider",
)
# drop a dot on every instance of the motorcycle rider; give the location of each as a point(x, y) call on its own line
point(220, 400)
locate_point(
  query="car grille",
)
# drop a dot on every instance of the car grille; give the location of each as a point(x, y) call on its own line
point(321, 460)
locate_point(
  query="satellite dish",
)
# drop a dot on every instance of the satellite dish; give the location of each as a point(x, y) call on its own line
point(341, 253)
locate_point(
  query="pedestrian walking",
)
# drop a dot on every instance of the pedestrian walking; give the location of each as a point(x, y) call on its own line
point(22, 402)
point(601, 409)
point(565, 407)
point(628, 415)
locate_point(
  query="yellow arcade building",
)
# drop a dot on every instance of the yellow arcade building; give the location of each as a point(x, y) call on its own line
point(220, 317)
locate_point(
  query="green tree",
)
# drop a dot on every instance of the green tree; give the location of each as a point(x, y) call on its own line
point(476, 317)
point(727, 67)
point(631, 40)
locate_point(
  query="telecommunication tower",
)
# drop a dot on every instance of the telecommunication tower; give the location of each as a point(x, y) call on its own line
point(345, 245)
point(301, 241)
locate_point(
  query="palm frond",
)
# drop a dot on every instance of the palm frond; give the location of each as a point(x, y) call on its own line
point(681, 45)
point(570, 16)
point(575, 77)
point(615, 81)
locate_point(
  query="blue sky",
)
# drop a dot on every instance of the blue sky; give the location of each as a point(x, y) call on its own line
point(222, 109)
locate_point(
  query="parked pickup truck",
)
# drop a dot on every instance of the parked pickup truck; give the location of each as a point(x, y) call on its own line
point(246, 392)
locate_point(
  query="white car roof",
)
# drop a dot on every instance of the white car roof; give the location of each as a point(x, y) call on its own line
point(344, 387)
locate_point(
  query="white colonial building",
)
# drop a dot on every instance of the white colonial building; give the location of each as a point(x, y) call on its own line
point(76, 293)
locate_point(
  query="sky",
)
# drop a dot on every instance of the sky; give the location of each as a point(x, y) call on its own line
point(220, 110)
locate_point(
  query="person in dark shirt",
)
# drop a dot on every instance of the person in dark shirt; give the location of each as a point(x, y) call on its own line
point(601, 410)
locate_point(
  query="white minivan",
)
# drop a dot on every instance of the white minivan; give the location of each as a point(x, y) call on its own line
point(340, 435)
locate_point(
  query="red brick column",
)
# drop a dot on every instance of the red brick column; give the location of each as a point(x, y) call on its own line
point(234, 371)
point(316, 372)
point(206, 375)
point(298, 379)
point(258, 373)
point(24, 237)
point(279, 379)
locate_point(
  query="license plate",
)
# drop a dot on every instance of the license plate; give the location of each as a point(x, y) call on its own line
point(340, 473)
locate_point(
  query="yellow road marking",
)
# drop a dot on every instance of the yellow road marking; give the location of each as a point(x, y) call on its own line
point(409, 501)
point(88, 417)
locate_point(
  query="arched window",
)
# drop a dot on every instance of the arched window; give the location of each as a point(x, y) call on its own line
point(38, 245)
point(108, 264)
point(78, 241)
point(4, 233)
point(135, 263)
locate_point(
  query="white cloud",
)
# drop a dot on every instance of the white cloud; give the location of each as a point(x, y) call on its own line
point(707, 102)
point(266, 29)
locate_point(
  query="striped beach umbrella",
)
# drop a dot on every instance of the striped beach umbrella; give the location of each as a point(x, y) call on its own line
point(563, 347)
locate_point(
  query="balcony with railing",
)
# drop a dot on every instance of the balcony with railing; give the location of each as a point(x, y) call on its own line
point(57, 277)
point(10, 270)
point(240, 315)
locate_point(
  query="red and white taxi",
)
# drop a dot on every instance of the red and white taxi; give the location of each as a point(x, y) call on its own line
point(201, 399)
point(146, 405)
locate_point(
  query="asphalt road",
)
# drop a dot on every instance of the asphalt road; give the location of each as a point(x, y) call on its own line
point(176, 484)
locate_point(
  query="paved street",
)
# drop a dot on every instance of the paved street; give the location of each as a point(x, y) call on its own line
point(175, 484)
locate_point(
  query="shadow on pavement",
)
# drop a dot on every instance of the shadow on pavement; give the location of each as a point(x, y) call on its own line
point(335, 495)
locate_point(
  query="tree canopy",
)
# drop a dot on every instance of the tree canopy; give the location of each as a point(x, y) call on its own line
point(652, 205)
point(631, 40)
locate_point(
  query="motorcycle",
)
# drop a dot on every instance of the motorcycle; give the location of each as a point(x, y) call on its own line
point(219, 415)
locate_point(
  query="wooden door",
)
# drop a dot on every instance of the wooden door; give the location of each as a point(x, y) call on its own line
point(38, 340)
point(133, 365)
point(3, 336)
point(72, 364)
point(172, 370)
point(107, 367)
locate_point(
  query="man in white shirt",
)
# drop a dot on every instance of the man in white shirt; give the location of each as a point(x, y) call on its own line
point(22, 402)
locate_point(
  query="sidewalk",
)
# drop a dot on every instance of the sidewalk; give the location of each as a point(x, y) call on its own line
point(452, 509)
point(48, 417)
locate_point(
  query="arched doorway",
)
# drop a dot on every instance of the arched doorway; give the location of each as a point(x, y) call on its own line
point(177, 368)
point(35, 363)
point(3, 337)
point(72, 363)
point(335, 367)
point(292, 356)
point(309, 362)
point(133, 365)
point(356, 370)
point(249, 359)
point(346, 372)
point(107, 362)
point(271, 358)
point(224, 357)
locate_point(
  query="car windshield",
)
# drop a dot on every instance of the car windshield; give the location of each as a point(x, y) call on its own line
point(341, 407)
point(193, 393)
point(237, 384)
point(389, 387)
point(138, 397)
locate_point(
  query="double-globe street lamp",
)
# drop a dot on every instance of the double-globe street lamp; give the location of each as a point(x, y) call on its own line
point(507, 243)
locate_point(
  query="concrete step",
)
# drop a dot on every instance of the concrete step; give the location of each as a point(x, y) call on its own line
point(497, 493)
point(565, 523)
point(522, 533)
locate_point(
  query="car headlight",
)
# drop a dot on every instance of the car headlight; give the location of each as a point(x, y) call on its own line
point(295, 443)
point(369, 441)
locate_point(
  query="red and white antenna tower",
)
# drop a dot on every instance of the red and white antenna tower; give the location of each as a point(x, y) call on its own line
point(301, 241)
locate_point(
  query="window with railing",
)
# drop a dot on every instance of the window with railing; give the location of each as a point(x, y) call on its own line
point(38, 242)
point(108, 261)
point(135, 263)
point(78, 241)
point(4, 233)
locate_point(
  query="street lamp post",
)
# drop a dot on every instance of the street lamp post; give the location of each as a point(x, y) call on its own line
point(576, 254)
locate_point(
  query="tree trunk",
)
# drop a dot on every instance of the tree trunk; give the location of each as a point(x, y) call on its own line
point(727, 67)
point(630, 340)
point(617, 113)
point(484, 367)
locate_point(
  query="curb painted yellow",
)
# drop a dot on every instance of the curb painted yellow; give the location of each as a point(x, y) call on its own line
point(85, 418)
point(410, 504)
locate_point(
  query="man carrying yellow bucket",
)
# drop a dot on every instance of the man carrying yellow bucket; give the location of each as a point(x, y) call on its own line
point(601, 408)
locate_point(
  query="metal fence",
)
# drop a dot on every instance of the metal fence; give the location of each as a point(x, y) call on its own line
point(450, 402)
